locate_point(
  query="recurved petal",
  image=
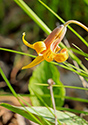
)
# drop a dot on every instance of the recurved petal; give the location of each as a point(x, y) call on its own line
point(26, 43)
point(35, 62)
point(62, 56)
point(39, 46)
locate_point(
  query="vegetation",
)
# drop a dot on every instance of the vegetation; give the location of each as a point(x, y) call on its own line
point(47, 102)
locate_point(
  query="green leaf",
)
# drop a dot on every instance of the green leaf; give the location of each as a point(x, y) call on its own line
point(41, 74)
point(66, 118)
point(24, 111)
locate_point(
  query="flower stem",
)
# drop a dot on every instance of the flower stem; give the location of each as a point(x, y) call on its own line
point(76, 22)
point(51, 82)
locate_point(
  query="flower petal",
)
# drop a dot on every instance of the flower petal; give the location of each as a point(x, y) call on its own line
point(26, 43)
point(39, 46)
point(62, 56)
point(58, 39)
point(35, 62)
point(57, 33)
point(48, 55)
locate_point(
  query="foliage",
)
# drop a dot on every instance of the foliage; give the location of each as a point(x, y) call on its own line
point(64, 117)
point(41, 74)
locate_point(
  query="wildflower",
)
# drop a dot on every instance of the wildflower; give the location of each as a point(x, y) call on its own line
point(48, 49)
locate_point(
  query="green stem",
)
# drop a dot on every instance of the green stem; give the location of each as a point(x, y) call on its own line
point(9, 85)
point(15, 94)
point(63, 86)
point(72, 68)
point(52, 11)
point(17, 52)
point(33, 16)
point(74, 57)
point(30, 13)
point(55, 14)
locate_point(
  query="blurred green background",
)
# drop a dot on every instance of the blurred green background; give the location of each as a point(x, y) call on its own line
point(14, 20)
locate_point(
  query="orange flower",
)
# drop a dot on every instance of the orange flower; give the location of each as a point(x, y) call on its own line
point(48, 49)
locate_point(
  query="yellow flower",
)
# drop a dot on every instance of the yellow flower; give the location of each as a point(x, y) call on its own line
point(48, 49)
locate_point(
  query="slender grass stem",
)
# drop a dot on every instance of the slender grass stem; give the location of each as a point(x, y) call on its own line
point(63, 86)
point(40, 117)
point(33, 16)
point(15, 94)
point(9, 85)
point(84, 83)
point(72, 110)
point(39, 97)
point(17, 52)
point(48, 95)
point(84, 74)
point(57, 16)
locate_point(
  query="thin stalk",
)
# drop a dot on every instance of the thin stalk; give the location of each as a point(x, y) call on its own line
point(76, 99)
point(66, 97)
point(72, 110)
point(76, 22)
point(85, 74)
point(41, 118)
point(52, 11)
point(63, 86)
point(17, 52)
point(56, 15)
point(15, 94)
point(74, 57)
point(33, 16)
point(79, 52)
point(9, 85)
point(51, 82)
point(62, 45)
point(84, 83)
point(48, 95)
point(39, 97)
